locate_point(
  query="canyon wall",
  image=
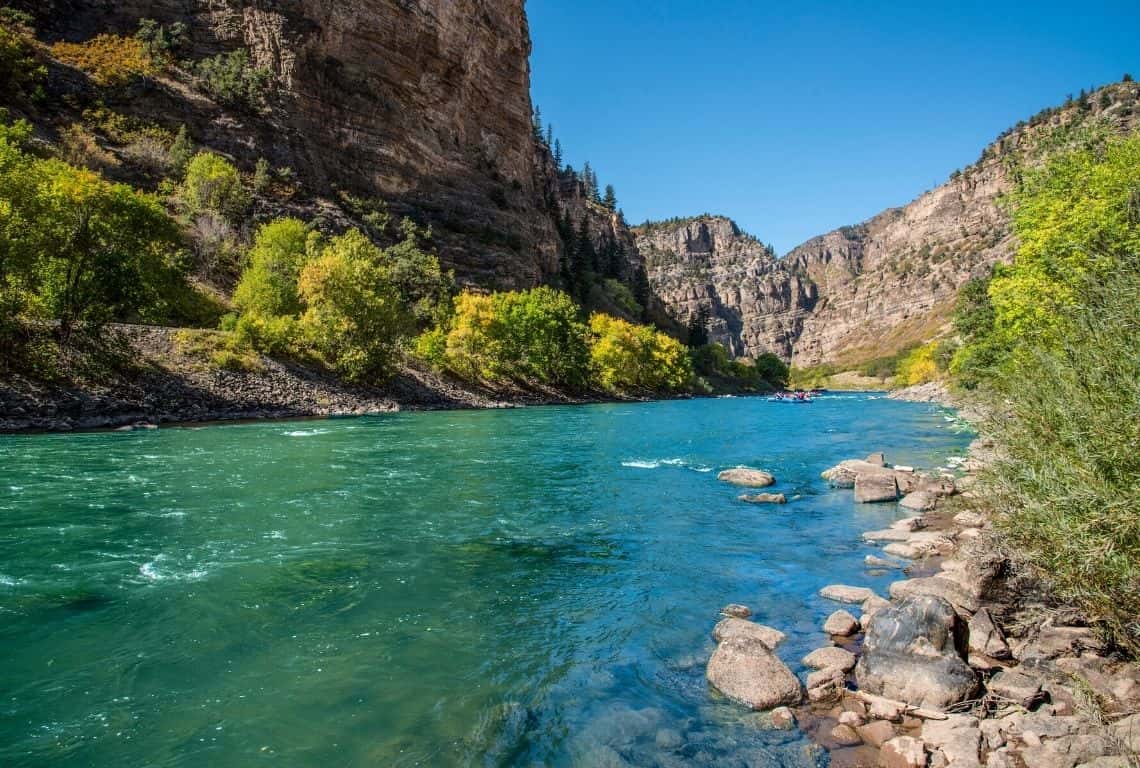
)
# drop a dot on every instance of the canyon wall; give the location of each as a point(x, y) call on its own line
point(423, 104)
point(866, 291)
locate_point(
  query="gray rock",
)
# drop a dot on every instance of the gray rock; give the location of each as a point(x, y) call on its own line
point(969, 519)
point(878, 459)
point(950, 591)
point(845, 736)
point(753, 478)
point(1017, 686)
point(986, 637)
point(746, 671)
point(959, 738)
point(875, 487)
point(830, 657)
point(843, 474)
point(914, 652)
point(919, 500)
point(736, 611)
point(783, 718)
point(880, 562)
point(841, 593)
point(826, 685)
point(733, 627)
point(764, 498)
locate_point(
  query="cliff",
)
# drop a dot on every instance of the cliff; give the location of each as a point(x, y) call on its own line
point(707, 264)
point(422, 105)
point(866, 291)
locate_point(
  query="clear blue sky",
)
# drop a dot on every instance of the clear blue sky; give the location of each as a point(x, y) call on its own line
point(795, 118)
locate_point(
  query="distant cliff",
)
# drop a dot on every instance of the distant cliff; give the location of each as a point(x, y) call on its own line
point(869, 290)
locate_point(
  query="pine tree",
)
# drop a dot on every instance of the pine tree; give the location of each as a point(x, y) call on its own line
point(1127, 78)
point(181, 151)
point(558, 154)
point(536, 125)
point(587, 175)
point(610, 200)
point(699, 328)
point(549, 135)
point(585, 259)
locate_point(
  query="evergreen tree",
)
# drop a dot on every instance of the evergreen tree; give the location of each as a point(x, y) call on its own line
point(536, 124)
point(549, 135)
point(587, 176)
point(641, 290)
point(181, 151)
point(557, 154)
point(699, 328)
point(610, 200)
point(585, 260)
point(1127, 78)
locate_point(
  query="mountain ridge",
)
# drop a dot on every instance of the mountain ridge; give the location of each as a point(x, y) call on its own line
point(868, 290)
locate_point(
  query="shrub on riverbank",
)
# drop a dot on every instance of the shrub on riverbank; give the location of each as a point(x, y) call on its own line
point(76, 249)
point(1067, 492)
point(628, 358)
point(1053, 341)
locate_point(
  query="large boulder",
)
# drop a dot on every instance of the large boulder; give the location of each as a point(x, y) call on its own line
point(751, 478)
point(914, 651)
point(746, 671)
point(871, 487)
point(734, 627)
point(951, 591)
point(843, 474)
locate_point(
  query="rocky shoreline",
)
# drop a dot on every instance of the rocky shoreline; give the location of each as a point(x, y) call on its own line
point(967, 664)
point(166, 385)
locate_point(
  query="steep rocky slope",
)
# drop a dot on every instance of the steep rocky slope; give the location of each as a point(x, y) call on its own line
point(708, 264)
point(865, 291)
point(421, 105)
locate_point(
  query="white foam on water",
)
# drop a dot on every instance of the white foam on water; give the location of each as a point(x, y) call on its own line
point(15, 488)
point(155, 571)
point(656, 463)
point(8, 581)
point(307, 432)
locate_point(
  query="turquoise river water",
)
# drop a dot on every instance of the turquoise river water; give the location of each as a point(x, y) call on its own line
point(523, 587)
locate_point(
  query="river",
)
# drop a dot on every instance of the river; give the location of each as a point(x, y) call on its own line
point(521, 587)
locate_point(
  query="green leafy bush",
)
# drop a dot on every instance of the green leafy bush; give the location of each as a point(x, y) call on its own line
point(213, 185)
point(232, 79)
point(21, 73)
point(268, 285)
point(1067, 491)
point(523, 336)
point(353, 311)
point(76, 248)
point(1052, 340)
point(628, 358)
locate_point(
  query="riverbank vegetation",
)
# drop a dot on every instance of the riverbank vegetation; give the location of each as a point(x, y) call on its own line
point(1051, 342)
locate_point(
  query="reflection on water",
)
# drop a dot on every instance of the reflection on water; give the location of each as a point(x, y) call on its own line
point(529, 587)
